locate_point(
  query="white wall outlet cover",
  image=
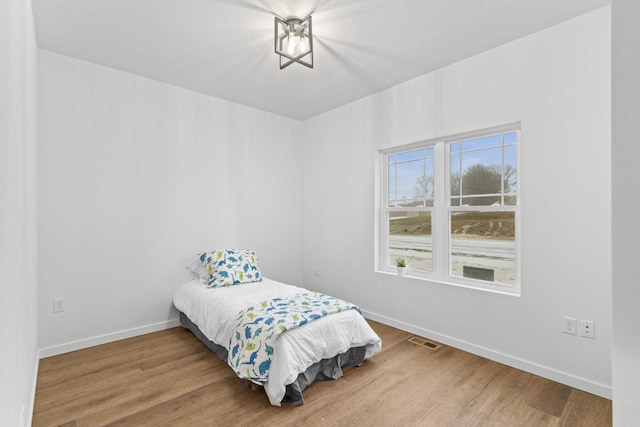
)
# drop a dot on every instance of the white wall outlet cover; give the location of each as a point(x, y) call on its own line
point(569, 325)
point(58, 305)
point(588, 329)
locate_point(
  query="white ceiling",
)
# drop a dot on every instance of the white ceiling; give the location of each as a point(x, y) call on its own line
point(224, 48)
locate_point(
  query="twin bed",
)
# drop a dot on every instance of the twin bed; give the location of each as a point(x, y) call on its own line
point(278, 336)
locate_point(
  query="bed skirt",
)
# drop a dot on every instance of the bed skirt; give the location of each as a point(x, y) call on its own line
point(326, 369)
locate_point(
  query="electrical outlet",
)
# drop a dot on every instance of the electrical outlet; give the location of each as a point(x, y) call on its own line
point(569, 325)
point(316, 271)
point(588, 329)
point(58, 305)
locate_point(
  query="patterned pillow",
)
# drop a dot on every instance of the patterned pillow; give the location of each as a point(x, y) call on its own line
point(228, 267)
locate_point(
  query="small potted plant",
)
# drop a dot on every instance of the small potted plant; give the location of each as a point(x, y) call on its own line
point(401, 266)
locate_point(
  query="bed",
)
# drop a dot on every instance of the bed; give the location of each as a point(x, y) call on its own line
point(314, 350)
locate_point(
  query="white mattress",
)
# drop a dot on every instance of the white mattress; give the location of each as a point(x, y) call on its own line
point(215, 310)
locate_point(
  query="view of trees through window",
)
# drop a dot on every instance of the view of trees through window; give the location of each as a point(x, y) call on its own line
point(411, 194)
point(482, 242)
point(481, 209)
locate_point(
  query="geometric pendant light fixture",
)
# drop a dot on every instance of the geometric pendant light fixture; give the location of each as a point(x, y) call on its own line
point(294, 41)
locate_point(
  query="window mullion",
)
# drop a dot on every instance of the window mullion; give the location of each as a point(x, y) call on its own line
point(384, 227)
point(502, 172)
point(439, 221)
point(460, 178)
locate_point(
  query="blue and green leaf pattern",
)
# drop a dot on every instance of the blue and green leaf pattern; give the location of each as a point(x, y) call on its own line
point(228, 267)
point(258, 327)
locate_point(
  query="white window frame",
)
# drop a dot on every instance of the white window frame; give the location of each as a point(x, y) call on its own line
point(440, 212)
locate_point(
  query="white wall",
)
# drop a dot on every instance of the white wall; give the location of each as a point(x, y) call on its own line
point(557, 84)
point(136, 177)
point(18, 225)
point(626, 205)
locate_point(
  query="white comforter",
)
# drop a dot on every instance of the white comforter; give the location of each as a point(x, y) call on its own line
point(215, 310)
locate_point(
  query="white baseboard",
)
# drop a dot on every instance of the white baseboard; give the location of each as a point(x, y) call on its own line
point(33, 390)
point(107, 338)
point(584, 384)
point(515, 362)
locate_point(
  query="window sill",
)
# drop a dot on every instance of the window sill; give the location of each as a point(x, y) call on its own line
point(512, 291)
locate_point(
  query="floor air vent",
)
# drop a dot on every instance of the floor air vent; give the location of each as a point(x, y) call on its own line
point(425, 343)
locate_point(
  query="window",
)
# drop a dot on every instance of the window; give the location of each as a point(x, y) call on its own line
point(410, 207)
point(450, 207)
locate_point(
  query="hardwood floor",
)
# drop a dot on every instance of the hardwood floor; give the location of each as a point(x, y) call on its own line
point(170, 378)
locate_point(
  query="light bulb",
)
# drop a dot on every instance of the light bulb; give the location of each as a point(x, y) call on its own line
point(295, 45)
point(291, 42)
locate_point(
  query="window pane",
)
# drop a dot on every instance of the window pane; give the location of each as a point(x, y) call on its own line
point(481, 176)
point(410, 155)
point(410, 237)
point(423, 188)
point(480, 201)
point(455, 174)
point(481, 172)
point(408, 178)
point(482, 246)
point(510, 138)
point(425, 184)
point(487, 141)
point(392, 184)
point(429, 152)
point(510, 169)
point(484, 170)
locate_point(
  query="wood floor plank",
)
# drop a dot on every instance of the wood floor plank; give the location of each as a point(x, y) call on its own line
point(585, 410)
point(170, 378)
point(109, 356)
point(172, 337)
point(151, 391)
point(548, 396)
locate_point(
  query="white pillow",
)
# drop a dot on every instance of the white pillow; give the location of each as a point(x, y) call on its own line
point(198, 271)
